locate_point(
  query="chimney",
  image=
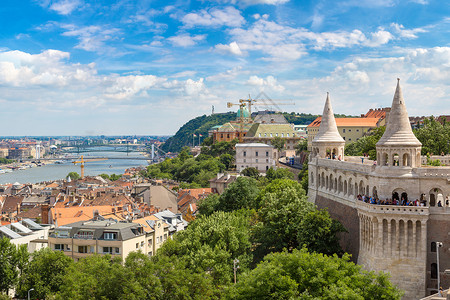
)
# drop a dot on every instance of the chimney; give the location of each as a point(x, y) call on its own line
point(44, 214)
point(18, 208)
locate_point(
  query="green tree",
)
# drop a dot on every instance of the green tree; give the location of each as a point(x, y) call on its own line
point(208, 205)
point(114, 177)
point(301, 146)
point(227, 160)
point(278, 143)
point(8, 265)
point(104, 176)
point(434, 136)
point(304, 275)
point(250, 172)
point(240, 194)
point(283, 207)
point(303, 176)
point(211, 243)
point(45, 273)
point(280, 173)
point(319, 232)
point(73, 176)
point(366, 144)
point(99, 277)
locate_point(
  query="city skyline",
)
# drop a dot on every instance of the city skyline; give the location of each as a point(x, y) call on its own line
point(74, 67)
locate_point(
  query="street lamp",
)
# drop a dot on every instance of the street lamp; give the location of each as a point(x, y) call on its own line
point(29, 293)
point(235, 267)
point(438, 245)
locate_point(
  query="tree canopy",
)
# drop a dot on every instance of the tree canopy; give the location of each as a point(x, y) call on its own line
point(305, 275)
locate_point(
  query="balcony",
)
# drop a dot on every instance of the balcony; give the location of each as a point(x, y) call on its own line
point(392, 209)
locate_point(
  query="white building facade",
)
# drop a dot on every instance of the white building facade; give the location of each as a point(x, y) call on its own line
point(255, 155)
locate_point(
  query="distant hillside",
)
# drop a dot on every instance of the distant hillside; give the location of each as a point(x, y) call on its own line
point(199, 125)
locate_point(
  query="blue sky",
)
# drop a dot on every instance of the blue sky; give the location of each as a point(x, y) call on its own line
point(78, 67)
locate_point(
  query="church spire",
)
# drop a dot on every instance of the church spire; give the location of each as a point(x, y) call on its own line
point(328, 131)
point(398, 128)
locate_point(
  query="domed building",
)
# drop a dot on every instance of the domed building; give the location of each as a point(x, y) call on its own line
point(395, 208)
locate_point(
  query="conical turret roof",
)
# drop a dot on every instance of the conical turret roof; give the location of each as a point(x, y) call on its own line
point(328, 131)
point(398, 128)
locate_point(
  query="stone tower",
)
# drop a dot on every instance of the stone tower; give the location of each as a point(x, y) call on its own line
point(328, 141)
point(398, 147)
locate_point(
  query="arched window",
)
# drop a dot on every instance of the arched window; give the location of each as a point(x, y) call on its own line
point(433, 247)
point(433, 271)
point(406, 160)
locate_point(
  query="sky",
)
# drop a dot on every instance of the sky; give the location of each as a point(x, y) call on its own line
point(79, 67)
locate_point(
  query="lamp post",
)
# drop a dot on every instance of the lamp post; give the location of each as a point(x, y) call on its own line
point(235, 267)
point(29, 293)
point(438, 245)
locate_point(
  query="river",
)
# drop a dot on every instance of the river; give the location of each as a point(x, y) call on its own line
point(60, 171)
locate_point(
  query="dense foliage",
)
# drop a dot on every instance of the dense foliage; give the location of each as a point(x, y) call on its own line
point(186, 168)
point(199, 125)
point(434, 136)
point(112, 177)
point(303, 275)
point(4, 161)
point(73, 176)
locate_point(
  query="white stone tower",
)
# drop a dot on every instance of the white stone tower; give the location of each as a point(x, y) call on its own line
point(328, 141)
point(398, 147)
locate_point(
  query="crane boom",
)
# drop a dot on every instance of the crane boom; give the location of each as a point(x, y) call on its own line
point(82, 161)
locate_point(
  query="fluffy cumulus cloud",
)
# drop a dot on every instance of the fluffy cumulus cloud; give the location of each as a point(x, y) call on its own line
point(232, 48)
point(365, 83)
point(214, 17)
point(280, 42)
point(60, 84)
point(186, 40)
point(268, 83)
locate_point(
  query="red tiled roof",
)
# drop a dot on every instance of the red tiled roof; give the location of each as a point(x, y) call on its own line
point(349, 122)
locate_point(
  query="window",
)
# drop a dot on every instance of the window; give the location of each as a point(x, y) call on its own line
point(276, 134)
point(271, 135)
point(349, 139)
point(82, 249)
point(150, 253)
point(267, 153)
point(282, 135)
point(157, 239)
point(267, 160)
point(137, 245)
point(245, 160)
point(142, 244)
point(357, 130)
point(256, 160)
point(343, 138)
point(150, 242)
point(60, 247)
point(256, 153)
point(165, 236)
point(433, 271)
point(343, 130)
point(349, 130)
point(287, 134)
point(245, 153)
point(108, 250)
point(221, 136)
point(228, 135)
point(433, 247)
point(117, 250)
point(110, 236)
point(84, 235)
point(260, 135)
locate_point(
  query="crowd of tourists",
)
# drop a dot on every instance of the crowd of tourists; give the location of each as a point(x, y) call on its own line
point(402, 202)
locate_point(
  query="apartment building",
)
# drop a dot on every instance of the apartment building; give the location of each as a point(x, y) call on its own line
point(255, 155)
point(85, 238)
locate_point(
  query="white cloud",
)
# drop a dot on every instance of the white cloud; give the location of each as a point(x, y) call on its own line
point(406, 33)
point(62, 7)
point(91, 38)
point(214, 17)
point(269, 83)
point(186, 40)
point(232, 48)
point(252, 2)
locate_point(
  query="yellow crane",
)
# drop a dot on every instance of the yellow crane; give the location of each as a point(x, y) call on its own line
point(248, 103)
point(82, 161)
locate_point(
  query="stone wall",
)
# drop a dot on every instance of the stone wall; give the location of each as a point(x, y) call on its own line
point(349, 218)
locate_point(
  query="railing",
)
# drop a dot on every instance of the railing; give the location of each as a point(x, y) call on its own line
point(392, 209)
point(83, 236)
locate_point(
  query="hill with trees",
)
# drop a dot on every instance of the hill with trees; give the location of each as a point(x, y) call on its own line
point(198, 125)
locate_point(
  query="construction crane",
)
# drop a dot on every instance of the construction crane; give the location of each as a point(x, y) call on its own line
point(248, 103)
point(82, 161)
